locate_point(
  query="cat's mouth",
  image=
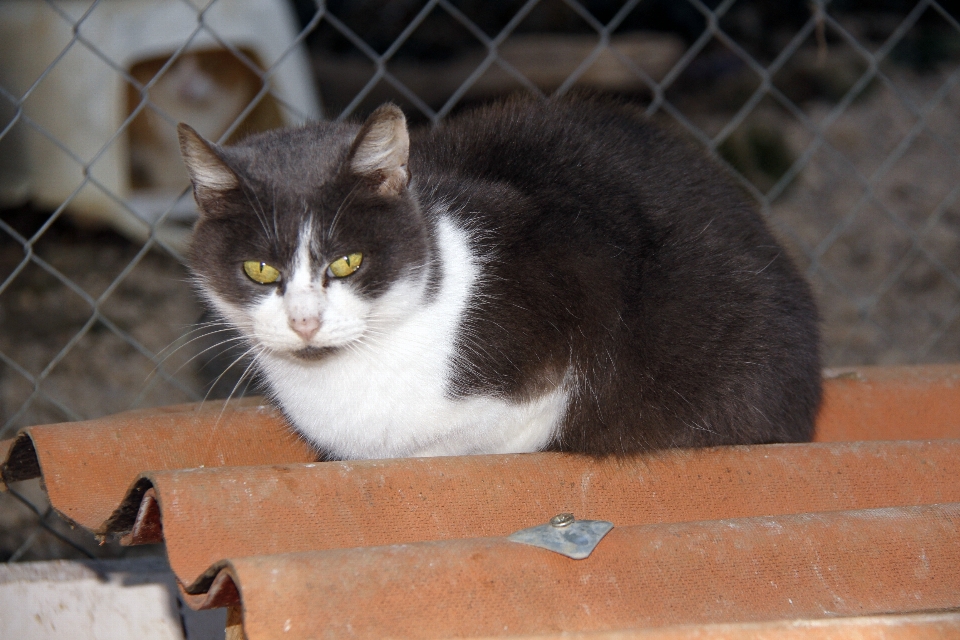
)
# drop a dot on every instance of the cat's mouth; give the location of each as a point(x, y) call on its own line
point(312, 353)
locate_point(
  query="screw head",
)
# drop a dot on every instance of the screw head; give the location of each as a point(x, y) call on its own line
point(562, 520)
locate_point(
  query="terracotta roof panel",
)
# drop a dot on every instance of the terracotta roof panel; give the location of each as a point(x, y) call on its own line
point(863, 522)
point(916, 626)
point(88, 466)
point(890, 403)
point(210, 514)
point(897, 560)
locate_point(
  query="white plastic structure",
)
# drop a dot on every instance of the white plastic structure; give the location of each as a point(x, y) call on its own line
point(99, 600)
point(74, 93)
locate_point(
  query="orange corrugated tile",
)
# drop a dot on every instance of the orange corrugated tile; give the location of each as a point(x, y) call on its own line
point(194, 490)
point(88, 466)
point(890, 403)
point(865, 403)
point(896, 560)
point(915, 626)
point(209, 514)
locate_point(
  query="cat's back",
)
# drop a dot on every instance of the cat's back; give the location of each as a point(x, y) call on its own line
point(622, 261)
point(573, 143)
point(586, 168)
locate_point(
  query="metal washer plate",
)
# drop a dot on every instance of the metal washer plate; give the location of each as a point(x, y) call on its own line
point(577, 540)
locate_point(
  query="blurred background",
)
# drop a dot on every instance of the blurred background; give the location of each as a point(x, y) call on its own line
point(840, 119)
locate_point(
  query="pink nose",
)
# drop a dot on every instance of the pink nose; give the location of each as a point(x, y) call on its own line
point(306, 328)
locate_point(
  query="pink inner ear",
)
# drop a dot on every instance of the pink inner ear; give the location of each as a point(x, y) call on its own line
point(207, 171)
point(394, 182)
point(382, 149)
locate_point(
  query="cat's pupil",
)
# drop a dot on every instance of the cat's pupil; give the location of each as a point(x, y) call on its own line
point(261, 272)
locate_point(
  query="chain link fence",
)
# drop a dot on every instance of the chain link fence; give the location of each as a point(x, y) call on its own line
point(841, 119)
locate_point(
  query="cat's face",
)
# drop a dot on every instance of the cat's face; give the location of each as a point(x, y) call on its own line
point(309, 240)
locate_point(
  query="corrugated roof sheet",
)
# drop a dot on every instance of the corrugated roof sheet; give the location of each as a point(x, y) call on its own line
point(852, 525)
point(741, 570)
point(926, 626)
point(210, 514)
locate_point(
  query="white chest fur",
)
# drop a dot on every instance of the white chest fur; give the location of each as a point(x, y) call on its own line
point(384, 395)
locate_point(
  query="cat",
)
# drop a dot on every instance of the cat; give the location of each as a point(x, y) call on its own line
point(531, 275)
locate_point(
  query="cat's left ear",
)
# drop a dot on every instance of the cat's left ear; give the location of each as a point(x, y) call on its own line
point(382, 149)
point(210, 175)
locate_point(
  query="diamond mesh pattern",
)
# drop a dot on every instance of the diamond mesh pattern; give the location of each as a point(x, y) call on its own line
point(843, 126)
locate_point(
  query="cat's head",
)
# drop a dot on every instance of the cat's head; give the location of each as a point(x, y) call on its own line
point(309, 240)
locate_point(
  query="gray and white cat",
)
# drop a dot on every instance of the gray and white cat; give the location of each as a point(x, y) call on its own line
point(532, 275)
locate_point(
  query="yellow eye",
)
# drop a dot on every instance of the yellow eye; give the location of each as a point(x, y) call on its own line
point(346, 265)
point(261, 272)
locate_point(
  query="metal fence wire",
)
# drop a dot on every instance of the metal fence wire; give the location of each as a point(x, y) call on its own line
point(841, 119)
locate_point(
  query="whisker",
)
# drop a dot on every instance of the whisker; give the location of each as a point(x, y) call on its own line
point(222, 373)
point(243, 375)
point(194, 339)
point(197, 355)
point(336, 215)
point(216, 425)
point(261, 217)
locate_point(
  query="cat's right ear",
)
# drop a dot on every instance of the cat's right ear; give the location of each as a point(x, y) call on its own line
point(210, 175)
point(381, 150)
